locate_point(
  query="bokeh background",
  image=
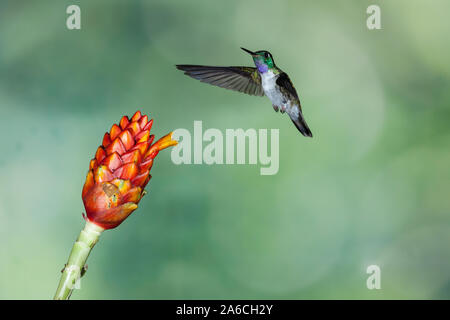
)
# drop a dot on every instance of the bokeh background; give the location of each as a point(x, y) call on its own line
point(371, 187)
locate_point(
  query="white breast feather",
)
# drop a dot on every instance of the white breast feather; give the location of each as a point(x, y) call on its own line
point(268, 80)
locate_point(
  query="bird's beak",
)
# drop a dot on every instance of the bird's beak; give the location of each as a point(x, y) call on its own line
point(248, 51)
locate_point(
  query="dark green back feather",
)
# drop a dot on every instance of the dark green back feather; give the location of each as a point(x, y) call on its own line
point(286, 85)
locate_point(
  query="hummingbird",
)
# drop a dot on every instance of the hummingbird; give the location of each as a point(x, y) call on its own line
point(264, 80)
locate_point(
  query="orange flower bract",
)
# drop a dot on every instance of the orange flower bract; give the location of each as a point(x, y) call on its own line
point(120, 170)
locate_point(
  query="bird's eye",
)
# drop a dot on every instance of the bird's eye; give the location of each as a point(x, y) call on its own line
point(266, 55)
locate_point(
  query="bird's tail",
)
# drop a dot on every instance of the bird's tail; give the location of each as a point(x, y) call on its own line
point(301, 125)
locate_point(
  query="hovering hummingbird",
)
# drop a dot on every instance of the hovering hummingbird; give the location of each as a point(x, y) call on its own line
point(266, 79)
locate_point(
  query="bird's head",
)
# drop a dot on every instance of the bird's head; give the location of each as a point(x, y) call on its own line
point(263, 59)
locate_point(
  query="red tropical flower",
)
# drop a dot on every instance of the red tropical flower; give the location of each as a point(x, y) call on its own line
point(120, 170)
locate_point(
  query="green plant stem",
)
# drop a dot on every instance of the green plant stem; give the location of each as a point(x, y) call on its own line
point(74, 268)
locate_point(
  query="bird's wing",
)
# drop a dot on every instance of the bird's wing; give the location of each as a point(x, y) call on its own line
point(284, 82)
point(242, 79)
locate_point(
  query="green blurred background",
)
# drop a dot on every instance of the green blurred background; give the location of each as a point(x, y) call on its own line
point(371, 187)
